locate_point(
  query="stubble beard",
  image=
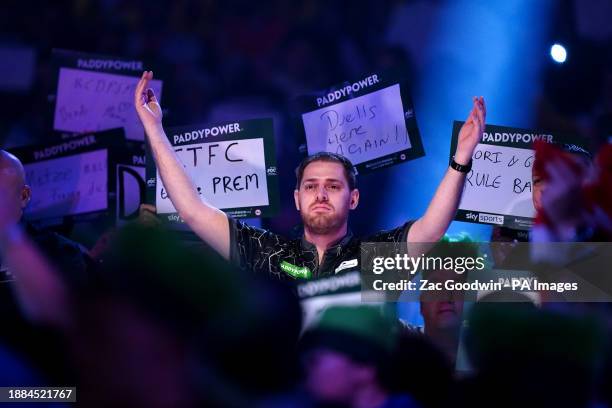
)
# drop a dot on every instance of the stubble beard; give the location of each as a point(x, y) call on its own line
point(322, 224)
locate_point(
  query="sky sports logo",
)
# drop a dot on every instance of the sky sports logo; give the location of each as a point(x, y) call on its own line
point(485, 218)
point(491, 219)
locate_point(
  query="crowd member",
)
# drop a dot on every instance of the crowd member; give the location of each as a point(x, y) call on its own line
point(419, 367)
point(65, 255)
point(572, 199)
point(325, 193)
point(525, 356)
point(345, 355)
point(25, 329)
point(68, 255)
point(442, 310)
point(164, 325)
point(152, 298)
point(561, 211)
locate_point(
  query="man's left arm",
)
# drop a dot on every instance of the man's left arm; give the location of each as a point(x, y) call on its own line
point(443, 206)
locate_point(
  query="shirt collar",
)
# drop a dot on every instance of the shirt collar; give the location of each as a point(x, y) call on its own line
point(338, 244)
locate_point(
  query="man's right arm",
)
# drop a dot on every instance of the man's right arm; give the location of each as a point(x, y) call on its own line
point(208, 222)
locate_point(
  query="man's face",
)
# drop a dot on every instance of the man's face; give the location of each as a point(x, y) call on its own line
point(442, 315)
point(324, 198)
point(442, 310)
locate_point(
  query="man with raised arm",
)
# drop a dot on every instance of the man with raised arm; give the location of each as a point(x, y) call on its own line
point(325, 192)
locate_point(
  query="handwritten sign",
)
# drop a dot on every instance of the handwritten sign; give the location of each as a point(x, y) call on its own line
point(366, 121)
point(68, 185)
point(70, 178)
point(93, 101)
point(228, 174)
point(505, 173)
point(498, 190)
point(231, 165)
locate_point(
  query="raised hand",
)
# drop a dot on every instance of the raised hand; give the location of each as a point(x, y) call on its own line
point(146, 103)
point(471, 131)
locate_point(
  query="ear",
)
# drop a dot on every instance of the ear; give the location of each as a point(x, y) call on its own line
point(296, 198)
point(354, 199)
point(25, 196)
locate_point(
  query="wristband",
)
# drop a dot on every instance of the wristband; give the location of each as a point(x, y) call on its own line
point(460, 167)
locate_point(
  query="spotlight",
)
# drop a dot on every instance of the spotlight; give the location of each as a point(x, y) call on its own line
point(558, 53)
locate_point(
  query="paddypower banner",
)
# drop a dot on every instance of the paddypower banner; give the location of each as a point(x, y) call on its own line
point(96, 93)
point(70, 179)
point(233, 166)
point(498, 190)
point(370, 120)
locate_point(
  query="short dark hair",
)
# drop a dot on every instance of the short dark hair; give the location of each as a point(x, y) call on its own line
point(349, 170)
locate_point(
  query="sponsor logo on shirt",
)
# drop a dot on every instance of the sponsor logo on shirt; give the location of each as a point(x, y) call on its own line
point(346, 264)
point(301, 272)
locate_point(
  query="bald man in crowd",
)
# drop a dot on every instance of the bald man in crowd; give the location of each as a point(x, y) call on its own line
point(67, 255)
point(13, 183)
point(16, 191)
point(29, 302)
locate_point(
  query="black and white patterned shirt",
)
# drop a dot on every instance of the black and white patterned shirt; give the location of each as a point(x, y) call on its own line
point(265, 252)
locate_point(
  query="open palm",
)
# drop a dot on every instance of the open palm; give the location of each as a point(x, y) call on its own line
point(146, 103)
point(471, 131)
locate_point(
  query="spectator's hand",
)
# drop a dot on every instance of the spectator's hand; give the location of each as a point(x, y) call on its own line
point(146, 104)
point(147, 215)
point(471, 132)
